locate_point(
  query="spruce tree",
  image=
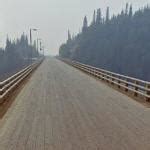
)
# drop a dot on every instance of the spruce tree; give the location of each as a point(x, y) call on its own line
point(85, 24)
point(94, 18)
point(69, 36)
point(107, 14)
point(127, 7)
point(98, 17)
point(130, 11)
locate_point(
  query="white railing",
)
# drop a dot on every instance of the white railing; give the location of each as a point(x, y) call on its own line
point(136, 86)
point(10, 84)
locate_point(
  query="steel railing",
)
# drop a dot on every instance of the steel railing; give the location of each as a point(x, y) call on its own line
point(136, 86)
point(11, 83)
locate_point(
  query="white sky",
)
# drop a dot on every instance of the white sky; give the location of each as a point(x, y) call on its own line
point(52, 17)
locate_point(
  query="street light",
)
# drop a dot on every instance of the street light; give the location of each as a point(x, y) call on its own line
point(38, 45)
point(31, 35)
point(41, 46)
point(43, 51)
point(31, 29)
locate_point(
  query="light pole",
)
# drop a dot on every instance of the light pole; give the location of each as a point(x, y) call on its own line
point(43, 51)
point(41, 47)
point(31, 29)
point(38, 45)
point(31, 35)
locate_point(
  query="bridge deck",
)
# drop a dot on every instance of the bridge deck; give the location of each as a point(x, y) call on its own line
point(62, 108)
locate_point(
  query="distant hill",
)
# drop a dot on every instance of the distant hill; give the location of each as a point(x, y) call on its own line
point(120, 43)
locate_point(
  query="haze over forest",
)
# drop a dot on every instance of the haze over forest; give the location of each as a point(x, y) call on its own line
point(52, 17)
point(120, 43)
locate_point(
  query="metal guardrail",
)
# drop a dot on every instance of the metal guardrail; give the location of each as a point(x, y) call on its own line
point(136, 86)
point(10, 84)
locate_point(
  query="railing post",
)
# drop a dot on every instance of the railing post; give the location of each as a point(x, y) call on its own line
point(103, 76)
point(1, 86)
point(1, 92)
point(88, 70)
point(100, 76)
point(126, 89)
point(97, 74)
point(136, 88)
point(79, 66)
point(148, 92)
point(119, 83)
point(107, 74)
point(94, 73)
point(112, 79)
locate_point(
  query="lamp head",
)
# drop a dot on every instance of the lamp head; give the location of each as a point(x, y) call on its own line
point(35, 29)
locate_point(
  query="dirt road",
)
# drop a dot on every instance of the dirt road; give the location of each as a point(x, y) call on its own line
point(61, 108)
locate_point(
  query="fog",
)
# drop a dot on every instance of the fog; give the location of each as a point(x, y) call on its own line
point(52, 18)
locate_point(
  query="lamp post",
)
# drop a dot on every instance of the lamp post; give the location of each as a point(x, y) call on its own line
point(43, 51)
point(41, 47)
point(38, 46)
point(31, 35)
point(39, 42)
point(31, 29)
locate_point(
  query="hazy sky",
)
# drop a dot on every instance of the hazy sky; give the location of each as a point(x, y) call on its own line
point(52, 17)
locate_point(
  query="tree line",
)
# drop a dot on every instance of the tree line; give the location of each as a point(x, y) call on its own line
point(119, 43)
point(16, 55)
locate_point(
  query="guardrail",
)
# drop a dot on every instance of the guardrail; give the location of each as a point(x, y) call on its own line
point(10, 84)
point(136, 86)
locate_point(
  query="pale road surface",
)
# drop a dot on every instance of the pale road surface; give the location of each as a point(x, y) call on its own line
point(61, 108)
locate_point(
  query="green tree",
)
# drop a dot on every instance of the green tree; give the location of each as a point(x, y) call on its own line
point(85, 24)
point(119, 46)
point(94, 18)
point(98, 17)
point(107, 14)
point(130, 11)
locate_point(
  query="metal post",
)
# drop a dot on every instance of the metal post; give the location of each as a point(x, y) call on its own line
point(136, 88)
point(31, 40)
point(38, 47)
point(30, 36)
point(31, 46)
point(148, 92)
point(43, 51)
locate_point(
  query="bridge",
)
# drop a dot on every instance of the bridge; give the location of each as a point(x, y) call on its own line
point(61, 108)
